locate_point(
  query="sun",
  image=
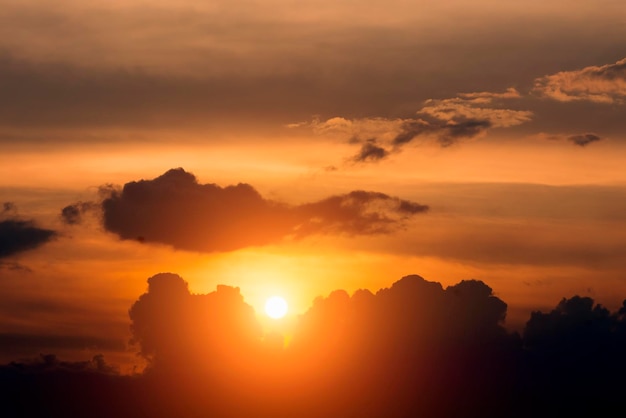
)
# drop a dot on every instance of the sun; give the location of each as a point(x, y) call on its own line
point(276, 307)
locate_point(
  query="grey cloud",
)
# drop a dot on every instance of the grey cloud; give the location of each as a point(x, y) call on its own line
point(356, 213)
point(73, 214)
point(31, 343)
point(463, 129)
point(409, 130)
point(446, 133)
point(584, 139)
point(67, 68)
point(447, 121)
point(8, 208)
point(17, 236)
point(14, 266)
point(371, 152)
point(175, 209)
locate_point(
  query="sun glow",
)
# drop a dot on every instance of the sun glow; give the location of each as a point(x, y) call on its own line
point(276, 307)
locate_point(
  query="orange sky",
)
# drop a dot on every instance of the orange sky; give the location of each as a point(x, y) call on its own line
point(507, 120)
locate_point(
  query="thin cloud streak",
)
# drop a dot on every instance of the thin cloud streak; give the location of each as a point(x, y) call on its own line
point(597, 84)
point(446, 121)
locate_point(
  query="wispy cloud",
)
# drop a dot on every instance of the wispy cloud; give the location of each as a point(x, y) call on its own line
point(599, 84)
point(445, 121)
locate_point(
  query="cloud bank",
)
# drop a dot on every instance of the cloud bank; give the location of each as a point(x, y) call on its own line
point(413, 349)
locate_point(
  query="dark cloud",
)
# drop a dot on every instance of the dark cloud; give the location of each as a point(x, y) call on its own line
point(411, 129)
point(371, 152)
point(9, 208)
point(73, 214)
point(355, 213)
point(412, 349)
point(175, 209)
point(51, 363)
point(170, 324)
point(28, 344)
point(464, 129)
point(17, 236)
point(584, 139)
point(446, 121)
point(14, 266)
point(446, 132)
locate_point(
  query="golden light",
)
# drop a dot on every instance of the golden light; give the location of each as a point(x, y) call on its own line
point(276, 307)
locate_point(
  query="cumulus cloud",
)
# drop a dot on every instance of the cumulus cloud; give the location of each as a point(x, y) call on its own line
point(416, 348)
point(175, 209)
point(599, 84)
point(174, 328)
point(444, 120)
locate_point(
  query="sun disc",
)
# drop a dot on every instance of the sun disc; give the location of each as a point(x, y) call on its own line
point(276, 307)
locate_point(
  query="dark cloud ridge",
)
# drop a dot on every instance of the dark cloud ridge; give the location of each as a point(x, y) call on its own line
point(416, 348)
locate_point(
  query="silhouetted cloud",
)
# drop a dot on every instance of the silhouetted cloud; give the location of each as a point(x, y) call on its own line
point(599, 84)
point(358, 212)
point(371, 152)
point(8, 208)
point(412, 349)
point(174, 328)
point(175, 209)
point(18, 235)
point(581, 140)
point(15, 266)
point(584, 139)
point(73, 214)
point(27, 343)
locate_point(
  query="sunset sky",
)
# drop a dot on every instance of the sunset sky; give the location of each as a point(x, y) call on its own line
point(370, 140)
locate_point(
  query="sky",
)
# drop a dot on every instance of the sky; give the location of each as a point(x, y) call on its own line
point(296, 148)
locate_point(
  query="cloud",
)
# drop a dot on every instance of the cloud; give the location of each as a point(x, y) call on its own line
point(9, 208)
point(174, 328)
point(598, 84)
point(371, 152)
point(47, 363)
point(581, 140)
point(356, 213)
point(17, 236)
point(14, 266)
point(33, 343)
point(481, 106)
point(446, 121)
point(416, 348)
point(584, 139)
point(73, 214)
point(446, 133)
point(175, 209)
